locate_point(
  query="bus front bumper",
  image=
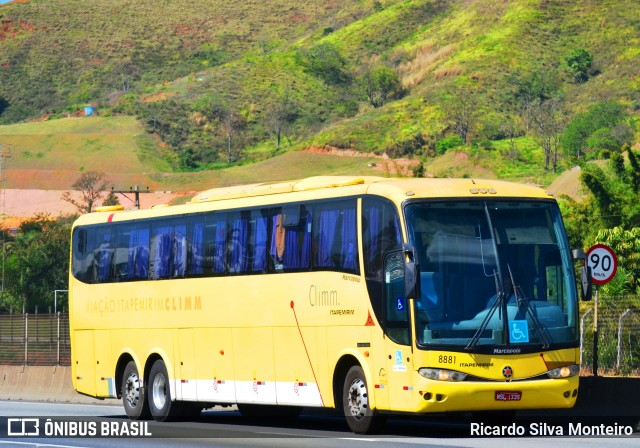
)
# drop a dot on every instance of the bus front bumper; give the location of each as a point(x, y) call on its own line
point(442, 396)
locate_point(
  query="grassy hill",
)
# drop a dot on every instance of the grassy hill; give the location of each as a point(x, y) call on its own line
point(195, 85)
point(53, 154)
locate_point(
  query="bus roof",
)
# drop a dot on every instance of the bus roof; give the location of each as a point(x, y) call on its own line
point(401, 187)
point(396, 189)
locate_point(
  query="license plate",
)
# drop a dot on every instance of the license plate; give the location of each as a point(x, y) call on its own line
point(508, 396)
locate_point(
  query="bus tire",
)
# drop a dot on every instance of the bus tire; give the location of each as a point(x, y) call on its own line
point(162, 408)
point(133, 394)
point(355, 402)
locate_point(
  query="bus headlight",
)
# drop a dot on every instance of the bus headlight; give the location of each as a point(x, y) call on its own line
point(442, 374)
point(564, 372)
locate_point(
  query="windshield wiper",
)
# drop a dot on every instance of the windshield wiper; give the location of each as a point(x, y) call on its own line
point(521, 301)
point(497, 304)
point(500, 302)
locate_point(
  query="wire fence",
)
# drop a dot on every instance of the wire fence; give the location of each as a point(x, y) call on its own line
point(43, 339)
point(35, 339)
point(618, 336)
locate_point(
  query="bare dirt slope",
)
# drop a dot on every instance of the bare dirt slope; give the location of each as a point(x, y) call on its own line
point(24, 204)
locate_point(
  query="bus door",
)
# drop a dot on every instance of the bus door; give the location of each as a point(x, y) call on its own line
point(397, 333)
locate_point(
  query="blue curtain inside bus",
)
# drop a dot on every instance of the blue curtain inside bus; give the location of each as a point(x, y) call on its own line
point(138, 266)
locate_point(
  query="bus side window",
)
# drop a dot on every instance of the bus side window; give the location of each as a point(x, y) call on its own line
point(168, 255)
point(335, 237)
point(237, 260)
point(291, 238)
point(195, 247)
point(214, 244)
point(138, 260)
point(81, 257)
point(103, 268)
point(257, 245)
point(380, 234)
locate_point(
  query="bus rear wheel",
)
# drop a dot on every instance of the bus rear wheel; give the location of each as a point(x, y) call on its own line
point(160, 404)
point(133, 394)
point(355, 402)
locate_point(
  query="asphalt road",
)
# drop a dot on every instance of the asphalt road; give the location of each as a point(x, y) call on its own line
point(226, 428)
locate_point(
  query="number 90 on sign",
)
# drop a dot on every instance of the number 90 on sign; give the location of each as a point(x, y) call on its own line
point(603, 263)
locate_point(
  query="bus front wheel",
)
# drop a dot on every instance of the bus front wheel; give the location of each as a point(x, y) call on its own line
point(133, 394)
point(162, 407)
point(355, 402)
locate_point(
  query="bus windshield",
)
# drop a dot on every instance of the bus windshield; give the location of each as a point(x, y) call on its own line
point(492, 274)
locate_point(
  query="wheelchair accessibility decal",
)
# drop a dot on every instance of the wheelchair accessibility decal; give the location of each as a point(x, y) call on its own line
point(399, 366)
point(518, 331)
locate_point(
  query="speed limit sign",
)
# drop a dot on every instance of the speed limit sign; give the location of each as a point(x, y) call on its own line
point(603, 263)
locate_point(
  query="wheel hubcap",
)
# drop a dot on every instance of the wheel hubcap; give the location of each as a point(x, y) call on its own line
point(132, 390)
point(357, 399)
point(159, 392)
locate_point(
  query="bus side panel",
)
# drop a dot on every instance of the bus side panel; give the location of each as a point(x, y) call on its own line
point(186, 388)
point(296, 357)
point(84, 372)
point(105, 366)
point(253, 358)
point(324, 372)
point(380, 372)
point(214, 367)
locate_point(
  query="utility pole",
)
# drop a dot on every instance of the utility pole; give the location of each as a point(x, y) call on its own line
point(135, 190)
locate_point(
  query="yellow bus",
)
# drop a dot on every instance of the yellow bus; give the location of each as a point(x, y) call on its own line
point(365, 294)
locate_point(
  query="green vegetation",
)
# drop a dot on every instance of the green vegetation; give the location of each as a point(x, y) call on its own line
point(37, 263)
point(603, 127)
point(219, 84)
point(610, 215)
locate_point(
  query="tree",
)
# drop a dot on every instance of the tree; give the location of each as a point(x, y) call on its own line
point(4, 104)
point(279, 115)
point(613, 204)
point(601, 127)
point(616, 198)
point(634, 171)
point(529, 90)
point(231, 123)
point(626, 244)
point(462, 112)
point(378, 84)
point(325, 61)
point(578, 64)
point(111, 199)
point(37, 264)
point(548, 124)
point(446, 143)
point(91, 185)
point(215, 114)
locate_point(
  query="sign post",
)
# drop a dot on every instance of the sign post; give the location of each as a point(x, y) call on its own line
point(604, 264)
